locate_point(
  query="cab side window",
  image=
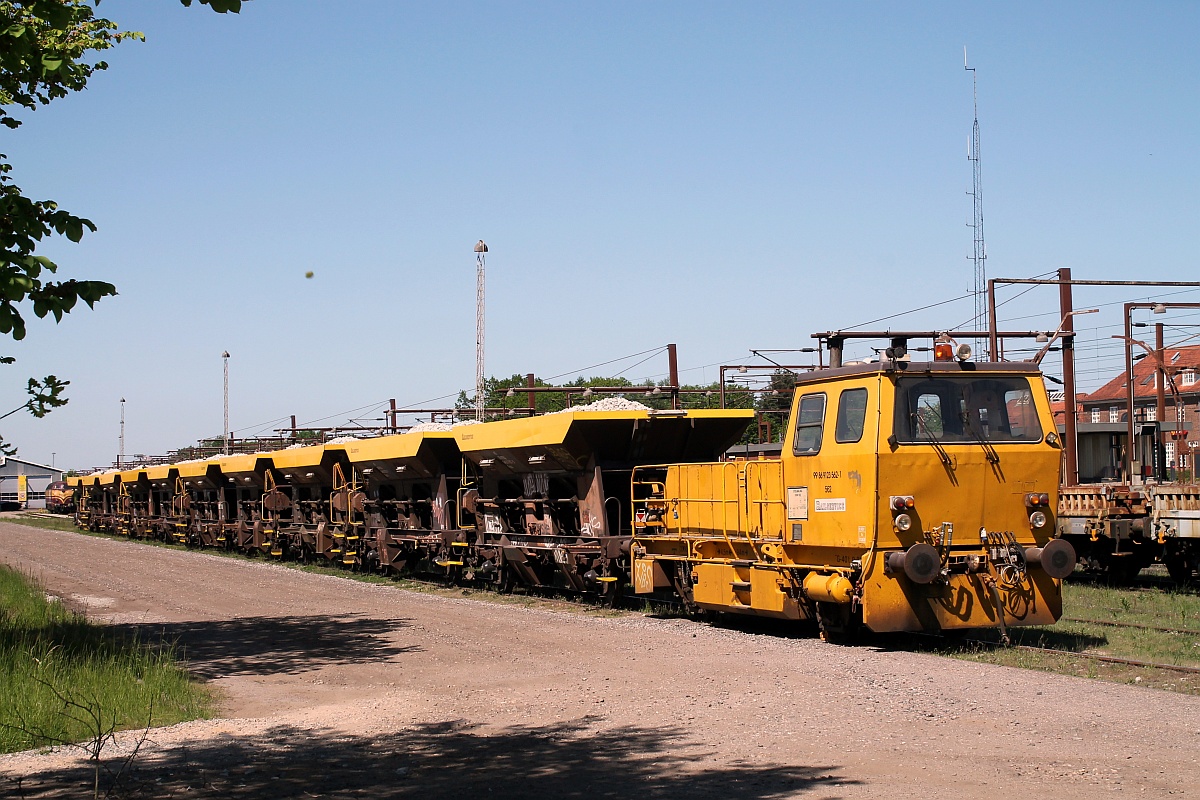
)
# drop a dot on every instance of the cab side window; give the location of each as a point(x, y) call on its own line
point(851, 416)
point(809, 424)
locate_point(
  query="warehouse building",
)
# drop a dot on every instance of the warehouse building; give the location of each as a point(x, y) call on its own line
point(23, 483)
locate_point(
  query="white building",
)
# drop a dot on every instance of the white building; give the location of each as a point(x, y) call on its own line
point(23, 483)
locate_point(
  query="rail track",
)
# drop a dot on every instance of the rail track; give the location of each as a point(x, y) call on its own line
point(1134, 625)
point(1128, 662)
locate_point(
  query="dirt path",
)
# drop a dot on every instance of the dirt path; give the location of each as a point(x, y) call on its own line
point(337, 688)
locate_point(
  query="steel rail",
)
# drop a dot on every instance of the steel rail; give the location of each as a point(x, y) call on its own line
point(1114, 624)
point(1128, 662)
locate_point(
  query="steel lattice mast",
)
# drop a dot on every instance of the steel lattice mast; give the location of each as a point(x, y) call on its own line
point(480, 284)
point(121, 439)
point(225, 360)
point(979, 252)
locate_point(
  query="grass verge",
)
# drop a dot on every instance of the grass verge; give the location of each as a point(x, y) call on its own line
point(66, 680)
point(1163, 608)
point(47, 522)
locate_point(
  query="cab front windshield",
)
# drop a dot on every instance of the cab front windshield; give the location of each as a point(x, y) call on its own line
point(965, 409)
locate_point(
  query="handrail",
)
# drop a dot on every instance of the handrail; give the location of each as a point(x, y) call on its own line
point(760, 502)
point(723, 501)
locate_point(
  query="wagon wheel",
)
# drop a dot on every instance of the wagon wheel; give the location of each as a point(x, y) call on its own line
point(508, 580)
point(1180, 567)
point(839, 625)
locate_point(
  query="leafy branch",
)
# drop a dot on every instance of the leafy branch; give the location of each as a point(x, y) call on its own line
point(48, 50)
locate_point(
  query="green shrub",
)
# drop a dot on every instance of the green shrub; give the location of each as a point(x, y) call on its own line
point(67, 680)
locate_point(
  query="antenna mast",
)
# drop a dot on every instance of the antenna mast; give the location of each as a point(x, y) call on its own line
point(480, 282)
point(979, 253)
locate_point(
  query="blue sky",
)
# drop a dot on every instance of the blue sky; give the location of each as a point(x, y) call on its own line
point(723, 176)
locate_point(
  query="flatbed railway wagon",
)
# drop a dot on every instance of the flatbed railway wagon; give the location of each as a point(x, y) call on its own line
point(1109, 527)
point(1175, 522)
point(910, 496)
point(1120, 530)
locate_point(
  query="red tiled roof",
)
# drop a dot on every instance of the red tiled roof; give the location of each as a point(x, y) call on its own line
point(1177, 359)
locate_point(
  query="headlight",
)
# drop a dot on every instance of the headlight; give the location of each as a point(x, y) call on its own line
point(903, 522)
point(1037, 519)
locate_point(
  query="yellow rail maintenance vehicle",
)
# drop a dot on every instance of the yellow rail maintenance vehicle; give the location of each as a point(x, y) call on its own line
point(909, 496)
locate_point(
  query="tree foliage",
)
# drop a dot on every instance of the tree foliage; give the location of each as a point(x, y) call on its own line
point(45, 53)
point(48, 50)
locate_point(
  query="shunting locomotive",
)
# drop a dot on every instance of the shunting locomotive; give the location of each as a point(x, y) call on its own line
point(909, 496)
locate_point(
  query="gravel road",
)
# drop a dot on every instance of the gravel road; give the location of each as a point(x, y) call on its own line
point(338, 688)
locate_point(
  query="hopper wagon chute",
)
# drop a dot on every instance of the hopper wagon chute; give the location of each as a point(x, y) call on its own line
point(197, 512)
point(550, 494)
point(277, 503)
point(402, 498)
point(103, 489)
point(144, 492)
point(243, 478)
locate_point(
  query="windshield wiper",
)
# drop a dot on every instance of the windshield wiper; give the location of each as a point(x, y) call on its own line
point(931, 437)
point(989, 451)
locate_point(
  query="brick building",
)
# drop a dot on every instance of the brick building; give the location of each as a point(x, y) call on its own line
point(1103, 414)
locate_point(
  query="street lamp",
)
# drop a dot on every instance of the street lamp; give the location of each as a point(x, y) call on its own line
point(225, 360)
point(1049, 339)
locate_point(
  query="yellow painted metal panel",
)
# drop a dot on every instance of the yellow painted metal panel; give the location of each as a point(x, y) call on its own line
point(234, 464)
point(893, 603)
point(839, 480)
point(300, 456)
point(158, 472)
point(193, 469)
point(529, 432)
point(552, 429)
point(399, 446)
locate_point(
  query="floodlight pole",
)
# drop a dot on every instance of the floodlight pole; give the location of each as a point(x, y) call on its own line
point(121, 439)
point(480, 284)
point(225, 359)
